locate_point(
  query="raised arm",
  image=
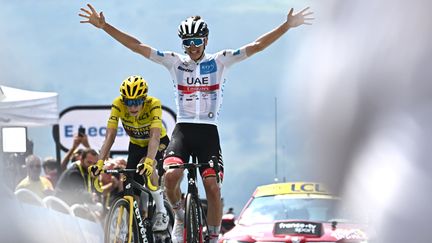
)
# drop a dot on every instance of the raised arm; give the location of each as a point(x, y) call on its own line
point(293, 20)
point(98, 20)
point(77, 140)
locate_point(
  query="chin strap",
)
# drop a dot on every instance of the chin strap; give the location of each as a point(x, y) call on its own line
point(202, 54)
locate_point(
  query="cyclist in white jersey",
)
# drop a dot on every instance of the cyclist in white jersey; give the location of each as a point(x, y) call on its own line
point(198, 85)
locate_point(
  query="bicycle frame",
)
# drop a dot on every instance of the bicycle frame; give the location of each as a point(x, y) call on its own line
point(134, 208)
point(192, 192)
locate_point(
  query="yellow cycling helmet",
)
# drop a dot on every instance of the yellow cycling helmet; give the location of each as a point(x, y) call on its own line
point(134, 87)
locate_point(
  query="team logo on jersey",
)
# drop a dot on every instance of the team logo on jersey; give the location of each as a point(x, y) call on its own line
point(197, 80)
point(192, 97)
point(208, 67)
point(125, 120)
point(184, 69)
point(143, 116)
point(205, 95)
point(202, 88)
point(209, 95)
point(135, 132)
point(213, 95)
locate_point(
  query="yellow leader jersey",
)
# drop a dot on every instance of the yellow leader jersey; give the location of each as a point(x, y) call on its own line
point(138, 128)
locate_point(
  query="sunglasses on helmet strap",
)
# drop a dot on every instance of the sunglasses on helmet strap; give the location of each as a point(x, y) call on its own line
point(195, 41)
point(133, 102)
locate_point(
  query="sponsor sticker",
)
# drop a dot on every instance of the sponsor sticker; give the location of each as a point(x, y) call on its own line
point(208, 67)
point(184, 69)
point(297, 227)
point(349, 234)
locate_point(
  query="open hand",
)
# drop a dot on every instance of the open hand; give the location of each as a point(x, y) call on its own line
point(93, 17)
point(300, 18)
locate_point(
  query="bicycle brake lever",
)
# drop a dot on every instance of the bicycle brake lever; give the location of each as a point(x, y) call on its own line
point(167, 167)
point(150, 184)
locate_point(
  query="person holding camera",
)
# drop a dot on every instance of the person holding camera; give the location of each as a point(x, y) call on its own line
point(74, 154)
point(141, 117)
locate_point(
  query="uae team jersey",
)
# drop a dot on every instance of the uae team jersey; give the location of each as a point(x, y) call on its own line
point(138, 128)
point(198, 86)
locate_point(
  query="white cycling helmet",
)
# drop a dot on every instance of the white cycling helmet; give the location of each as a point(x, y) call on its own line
point(193, 27)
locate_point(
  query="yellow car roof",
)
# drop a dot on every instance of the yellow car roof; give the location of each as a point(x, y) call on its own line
point(309, 189)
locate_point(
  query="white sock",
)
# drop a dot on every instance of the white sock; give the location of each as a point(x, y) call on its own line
point(158, 198)
point(179, 214)
point(179, 209)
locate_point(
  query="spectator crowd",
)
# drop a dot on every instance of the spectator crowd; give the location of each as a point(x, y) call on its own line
point(69, 180)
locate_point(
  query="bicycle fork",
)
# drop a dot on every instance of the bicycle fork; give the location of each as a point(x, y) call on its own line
point(133, 207)
point(202, 219)
point(204, 237)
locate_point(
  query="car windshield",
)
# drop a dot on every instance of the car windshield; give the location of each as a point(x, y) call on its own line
point(270, 208)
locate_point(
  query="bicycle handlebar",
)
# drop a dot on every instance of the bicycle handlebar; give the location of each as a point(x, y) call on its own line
point(130, 171)
point(185, 166)
point(119, 171)
point(188, 166)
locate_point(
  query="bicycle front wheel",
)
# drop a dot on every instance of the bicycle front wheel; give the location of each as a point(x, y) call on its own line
point(193, 228)
point(117, 223)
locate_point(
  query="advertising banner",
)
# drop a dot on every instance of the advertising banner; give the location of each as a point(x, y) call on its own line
point(94, 120)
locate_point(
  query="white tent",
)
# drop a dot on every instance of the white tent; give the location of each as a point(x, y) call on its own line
point(27, 108)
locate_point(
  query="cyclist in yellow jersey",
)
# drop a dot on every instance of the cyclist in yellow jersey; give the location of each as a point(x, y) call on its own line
point(141, 117)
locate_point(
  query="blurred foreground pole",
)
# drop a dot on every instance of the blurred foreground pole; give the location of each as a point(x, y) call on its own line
point(369, 112)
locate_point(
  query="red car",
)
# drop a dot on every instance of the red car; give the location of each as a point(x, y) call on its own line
point(297, 212)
